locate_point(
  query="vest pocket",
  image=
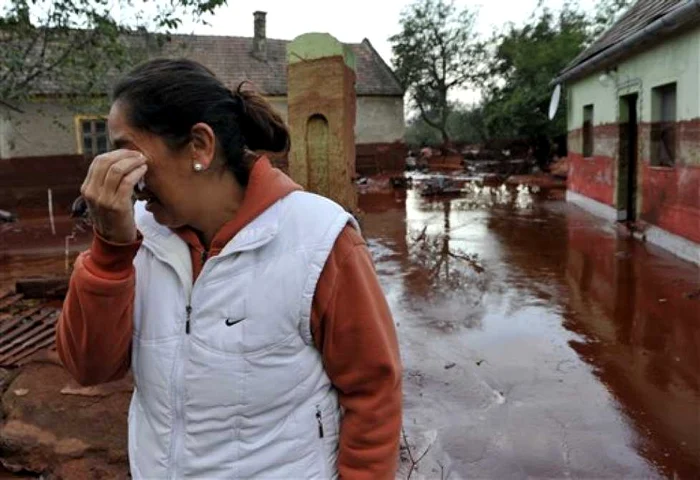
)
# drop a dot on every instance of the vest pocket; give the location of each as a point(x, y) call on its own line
point(327, 440)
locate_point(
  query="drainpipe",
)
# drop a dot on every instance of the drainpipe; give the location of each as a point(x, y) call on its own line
point(669, 23)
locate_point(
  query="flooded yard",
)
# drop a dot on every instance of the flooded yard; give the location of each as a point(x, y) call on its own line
point(537, 342)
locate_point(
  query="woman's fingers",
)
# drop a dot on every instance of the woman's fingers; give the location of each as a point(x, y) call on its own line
point(108, 190)
point(117, 171)
point(101, 165)
point(129, 181)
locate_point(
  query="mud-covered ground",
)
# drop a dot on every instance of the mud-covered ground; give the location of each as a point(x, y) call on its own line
point(537, 342)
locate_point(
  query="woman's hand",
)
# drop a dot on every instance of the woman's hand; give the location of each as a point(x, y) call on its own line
point(108, 189)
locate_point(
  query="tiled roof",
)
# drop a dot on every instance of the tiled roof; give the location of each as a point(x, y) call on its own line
point(639, 16)
point(231, 60)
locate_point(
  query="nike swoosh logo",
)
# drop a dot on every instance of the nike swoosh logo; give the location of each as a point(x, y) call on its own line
point(230, 322)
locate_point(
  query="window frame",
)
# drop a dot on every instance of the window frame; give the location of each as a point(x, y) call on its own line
point(663, 131)
point(80, 136)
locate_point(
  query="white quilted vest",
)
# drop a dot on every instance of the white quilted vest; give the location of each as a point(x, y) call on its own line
point(228, 381)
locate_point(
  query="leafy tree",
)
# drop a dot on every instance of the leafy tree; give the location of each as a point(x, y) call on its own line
point(436, 52)
point(525, 60)
point(464, 125)
point(73, 45)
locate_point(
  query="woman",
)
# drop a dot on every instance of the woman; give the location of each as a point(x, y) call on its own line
point(249, 311)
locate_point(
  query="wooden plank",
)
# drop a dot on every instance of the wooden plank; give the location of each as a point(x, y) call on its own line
point(28, 338)
point(13, 329)
point(34, 344)
point(9, 300)
point(21, 315)
point(43, 287)
point(20, 358)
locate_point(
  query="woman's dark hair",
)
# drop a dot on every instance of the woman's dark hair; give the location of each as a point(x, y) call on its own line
point(168, 97)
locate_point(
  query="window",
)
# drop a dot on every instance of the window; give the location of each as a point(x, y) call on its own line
point(663, 127)
point(588, 131)
point(92, 135)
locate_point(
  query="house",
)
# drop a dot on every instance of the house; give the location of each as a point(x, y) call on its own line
point(634, 124)
point(45, 144)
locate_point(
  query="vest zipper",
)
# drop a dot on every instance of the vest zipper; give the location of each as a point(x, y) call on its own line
point(204, 257)
point(319, 419)
point(188, 309)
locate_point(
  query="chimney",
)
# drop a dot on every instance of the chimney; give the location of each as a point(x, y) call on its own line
point(259, 38)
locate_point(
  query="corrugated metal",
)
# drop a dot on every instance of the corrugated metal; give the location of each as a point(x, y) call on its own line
point(26, 327)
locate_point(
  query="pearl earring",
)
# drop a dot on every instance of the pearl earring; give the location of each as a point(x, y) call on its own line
point(198, 167)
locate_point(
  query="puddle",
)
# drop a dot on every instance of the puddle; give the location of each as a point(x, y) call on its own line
point(575, 351)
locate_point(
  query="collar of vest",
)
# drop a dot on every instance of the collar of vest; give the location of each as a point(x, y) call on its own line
point(256, 234)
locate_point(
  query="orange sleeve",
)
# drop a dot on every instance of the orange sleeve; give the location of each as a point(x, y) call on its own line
point(354, 330)
point(93, 334)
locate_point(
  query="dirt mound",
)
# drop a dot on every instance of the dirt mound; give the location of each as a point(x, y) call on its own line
point(54, 427)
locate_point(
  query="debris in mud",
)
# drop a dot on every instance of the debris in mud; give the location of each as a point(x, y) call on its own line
point(693, 295)
point(21, 392)
point(450, 365)
point(28, 328)
point(43, 287)
point(440, 185)
point(7, 217)
point(401, 182)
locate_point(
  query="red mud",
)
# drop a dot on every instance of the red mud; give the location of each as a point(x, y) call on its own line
point(29, 247)
point(576, 350)
point(536, 343)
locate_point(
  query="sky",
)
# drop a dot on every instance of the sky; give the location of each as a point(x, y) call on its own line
point(351, 21)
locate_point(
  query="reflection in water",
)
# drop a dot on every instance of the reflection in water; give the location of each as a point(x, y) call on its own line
point(449, 281)
point(508, 263)
point(643, 336)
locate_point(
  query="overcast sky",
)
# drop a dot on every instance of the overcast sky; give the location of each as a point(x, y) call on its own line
point(350, 21)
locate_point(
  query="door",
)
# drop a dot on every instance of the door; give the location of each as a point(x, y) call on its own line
point(627, 164)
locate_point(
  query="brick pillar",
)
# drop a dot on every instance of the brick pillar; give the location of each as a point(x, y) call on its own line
point(321, 116)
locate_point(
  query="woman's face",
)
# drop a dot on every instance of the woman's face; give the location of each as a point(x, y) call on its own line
point(168, 182)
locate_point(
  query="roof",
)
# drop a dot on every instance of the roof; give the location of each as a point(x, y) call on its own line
point(231, 60)
point(641, 15)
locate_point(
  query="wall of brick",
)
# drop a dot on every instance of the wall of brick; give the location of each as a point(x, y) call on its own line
point(321, 109)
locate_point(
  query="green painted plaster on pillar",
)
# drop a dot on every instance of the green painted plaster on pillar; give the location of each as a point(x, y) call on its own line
point(313, 46)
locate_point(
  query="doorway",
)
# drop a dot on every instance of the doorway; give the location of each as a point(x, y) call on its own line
point(627, 164)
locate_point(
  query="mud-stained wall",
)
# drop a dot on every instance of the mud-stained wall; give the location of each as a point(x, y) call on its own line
point(668, 197)
point(376, 158)
point(24, 181)
point(322, 103)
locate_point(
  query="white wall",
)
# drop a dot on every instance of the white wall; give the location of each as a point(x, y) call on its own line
point(676, 60)
point(379, 119)
point(48, 127)
point(45, 128)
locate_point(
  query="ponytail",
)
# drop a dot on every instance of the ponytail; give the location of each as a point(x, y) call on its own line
point(168, 97)
point(263, 128)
